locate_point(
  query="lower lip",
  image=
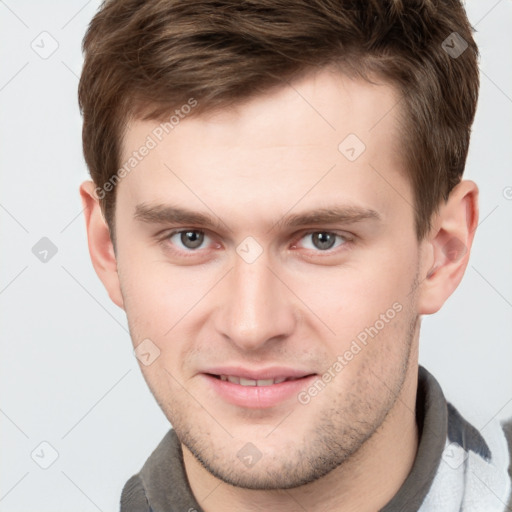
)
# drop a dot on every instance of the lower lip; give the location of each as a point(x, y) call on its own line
point(258, 397)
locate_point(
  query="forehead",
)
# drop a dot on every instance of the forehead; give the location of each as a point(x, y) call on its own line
point(331, 100)
point(324, 133)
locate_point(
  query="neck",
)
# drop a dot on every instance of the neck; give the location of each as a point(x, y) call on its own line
point(366, 482)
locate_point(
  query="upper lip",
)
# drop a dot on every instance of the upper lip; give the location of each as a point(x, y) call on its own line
point(273, 372)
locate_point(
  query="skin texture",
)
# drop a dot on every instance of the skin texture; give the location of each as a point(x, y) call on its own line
point(297, 305)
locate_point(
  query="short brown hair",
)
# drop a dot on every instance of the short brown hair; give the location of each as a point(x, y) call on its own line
point(145, 58)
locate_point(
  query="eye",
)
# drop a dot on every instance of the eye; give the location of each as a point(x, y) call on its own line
point(190, 239)
point(323, 240)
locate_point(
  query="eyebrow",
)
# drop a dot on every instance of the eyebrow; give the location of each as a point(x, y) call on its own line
point(167, 214)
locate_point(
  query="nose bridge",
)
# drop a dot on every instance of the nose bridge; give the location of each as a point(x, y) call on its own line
point(255, 307)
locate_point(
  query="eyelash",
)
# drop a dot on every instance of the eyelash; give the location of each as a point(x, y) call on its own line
point(193, 252)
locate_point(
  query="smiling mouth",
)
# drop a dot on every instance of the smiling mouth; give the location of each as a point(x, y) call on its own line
point(252, 382)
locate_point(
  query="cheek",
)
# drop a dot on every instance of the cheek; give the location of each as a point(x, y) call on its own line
point(162, 303)
point(146, 299)
point(350, 298)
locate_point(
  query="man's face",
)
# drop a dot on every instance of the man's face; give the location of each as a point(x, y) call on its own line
point(263, 293)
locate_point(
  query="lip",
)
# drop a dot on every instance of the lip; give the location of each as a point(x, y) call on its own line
point(258, 397)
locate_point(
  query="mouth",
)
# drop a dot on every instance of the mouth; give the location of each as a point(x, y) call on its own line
point(242, 381)
point(258, 390)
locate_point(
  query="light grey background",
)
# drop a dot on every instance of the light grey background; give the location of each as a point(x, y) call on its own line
point(68, 376)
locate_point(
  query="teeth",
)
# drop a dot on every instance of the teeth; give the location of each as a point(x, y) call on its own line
point(266, 382)
point(252, 382)
point(247, 382)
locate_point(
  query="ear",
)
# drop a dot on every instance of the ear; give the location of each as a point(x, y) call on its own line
point(101, 248)
point(449, 244)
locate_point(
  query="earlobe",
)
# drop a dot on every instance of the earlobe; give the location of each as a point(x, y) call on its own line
point(101, 248)
point(450, 244)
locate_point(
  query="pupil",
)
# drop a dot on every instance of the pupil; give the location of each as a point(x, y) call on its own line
point(192, 239)
point(323, 240)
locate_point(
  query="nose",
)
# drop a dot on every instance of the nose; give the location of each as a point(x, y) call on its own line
point(255, 307)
